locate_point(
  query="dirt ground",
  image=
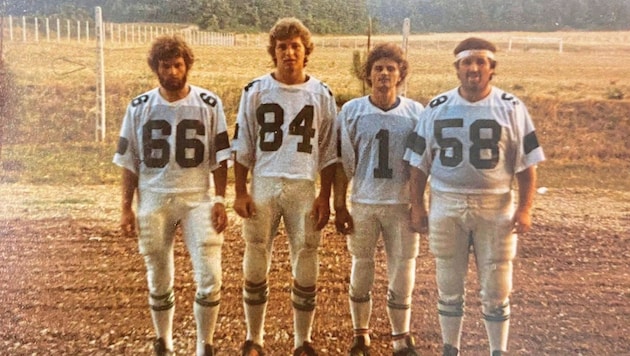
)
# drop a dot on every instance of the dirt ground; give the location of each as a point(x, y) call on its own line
point(70, 284)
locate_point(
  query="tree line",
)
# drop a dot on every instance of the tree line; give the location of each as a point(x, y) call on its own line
point(347, 16)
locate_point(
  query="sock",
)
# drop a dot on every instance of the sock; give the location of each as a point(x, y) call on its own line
point(206, 310)
point(162, 312)
point(255, 298)
point(304, 301)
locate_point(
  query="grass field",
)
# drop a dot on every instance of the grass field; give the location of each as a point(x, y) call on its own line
point(576, 98)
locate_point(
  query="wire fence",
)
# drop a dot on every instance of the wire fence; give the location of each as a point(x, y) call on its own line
point(27, 29)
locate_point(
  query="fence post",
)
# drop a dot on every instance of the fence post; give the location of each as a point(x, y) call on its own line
point(100, 76)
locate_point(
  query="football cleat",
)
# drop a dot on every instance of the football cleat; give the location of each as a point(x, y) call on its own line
point(410, 350)
point(159, 347)
point(252, 349)
point(359, 348)
point(305, 350)
point(450, 350)
point(209, 350)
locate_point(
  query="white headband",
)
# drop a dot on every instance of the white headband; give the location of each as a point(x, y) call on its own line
point(474, 52)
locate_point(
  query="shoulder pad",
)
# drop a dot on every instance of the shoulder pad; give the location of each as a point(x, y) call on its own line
point(438, 101)
point(208, 99)
point(139, 100)
point(250, 84)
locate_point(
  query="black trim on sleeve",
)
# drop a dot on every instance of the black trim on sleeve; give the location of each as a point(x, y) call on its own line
point(416, 143)
point(530, 142)
point(123, 145)
point(222, 141)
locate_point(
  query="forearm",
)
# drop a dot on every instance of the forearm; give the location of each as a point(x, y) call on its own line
point(417, 185)
point(219, 176)
point(526, 188)
point(240, 179)
point(340, 185)
point(327, 175)
point(129, 187)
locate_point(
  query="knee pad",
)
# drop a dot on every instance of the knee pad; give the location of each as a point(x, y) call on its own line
point(361, 277)
point(401, 283)
point(255, 294)
point(162, 302)
point(208, 300)
point(453, 308)
point(496, 313)
point(304, 299)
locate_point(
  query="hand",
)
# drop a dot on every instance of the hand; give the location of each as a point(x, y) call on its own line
point(244, 206)
point(419, 219)
point(218, 217)
point(320, 212)
point(128, 223)
point(343, 221)
point(521, 221)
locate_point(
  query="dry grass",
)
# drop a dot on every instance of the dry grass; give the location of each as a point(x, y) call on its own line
point(567, 93)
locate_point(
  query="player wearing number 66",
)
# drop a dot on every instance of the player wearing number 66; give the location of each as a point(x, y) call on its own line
point(285, 136)
point(474, 141)
point(172, 138)
point(373, 134)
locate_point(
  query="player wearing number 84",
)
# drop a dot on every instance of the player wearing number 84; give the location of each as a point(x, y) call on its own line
point(475, 142)
point(172, 138)
point(285, 136)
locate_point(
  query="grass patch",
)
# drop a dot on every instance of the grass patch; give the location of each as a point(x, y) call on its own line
point(60, 164)
point(90, 164)
point(604, 175)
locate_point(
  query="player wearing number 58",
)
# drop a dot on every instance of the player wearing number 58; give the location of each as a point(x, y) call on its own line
point(285, 136)
point(172, 138)
point(373, 133)
point(476, 142)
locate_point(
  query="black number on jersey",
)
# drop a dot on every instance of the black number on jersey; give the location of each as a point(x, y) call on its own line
point(157, 151)
point(438, 101)
point(383, 170)
point(139, 100)
point(208, 99)
point(270, 133)
point(451, 149)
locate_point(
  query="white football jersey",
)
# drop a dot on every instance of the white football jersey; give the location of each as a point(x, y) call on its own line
point(286, 131)
point(474, 148)
point(372, 148)
point(173, 146)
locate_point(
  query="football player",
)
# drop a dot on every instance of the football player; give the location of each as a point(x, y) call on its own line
point(172, 138)
point(285, 136)
point(373, 133)
point(474, 141)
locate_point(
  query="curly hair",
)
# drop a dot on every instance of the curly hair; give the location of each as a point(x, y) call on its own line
point(286, 28)
point(166, 47)
point(389, 51)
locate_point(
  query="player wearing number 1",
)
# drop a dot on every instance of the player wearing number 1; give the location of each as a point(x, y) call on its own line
point(374, 131)
point(474, 142)
point(285, 136)
point(171, 139)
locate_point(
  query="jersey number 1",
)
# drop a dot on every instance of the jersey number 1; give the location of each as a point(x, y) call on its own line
point(270, 134)
point(383, 170)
